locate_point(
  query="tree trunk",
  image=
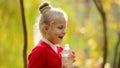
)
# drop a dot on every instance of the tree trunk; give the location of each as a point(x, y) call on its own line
point(116, 51)
point(25, 34)
point(100, 9)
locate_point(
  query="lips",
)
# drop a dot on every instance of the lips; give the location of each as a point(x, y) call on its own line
point(61, 37)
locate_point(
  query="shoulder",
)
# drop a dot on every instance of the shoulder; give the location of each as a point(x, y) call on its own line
point(39, 49)
point(37, 56)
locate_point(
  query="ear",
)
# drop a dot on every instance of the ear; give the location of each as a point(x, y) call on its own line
point(45, 28)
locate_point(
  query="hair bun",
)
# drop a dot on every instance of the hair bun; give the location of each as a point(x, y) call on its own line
point(44, 7)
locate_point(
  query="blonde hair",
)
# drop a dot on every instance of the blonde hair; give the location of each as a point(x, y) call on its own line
point(48, 15)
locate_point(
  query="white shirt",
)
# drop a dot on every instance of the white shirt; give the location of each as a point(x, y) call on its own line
point(50, 44)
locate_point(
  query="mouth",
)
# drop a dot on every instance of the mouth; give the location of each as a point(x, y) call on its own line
point(60, 37)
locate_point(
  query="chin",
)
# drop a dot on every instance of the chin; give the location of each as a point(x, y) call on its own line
point(58, 42)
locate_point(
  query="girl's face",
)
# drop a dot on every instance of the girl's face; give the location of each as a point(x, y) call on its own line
point(56, 30)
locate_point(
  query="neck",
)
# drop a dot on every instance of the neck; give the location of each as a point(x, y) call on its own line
point(49, 40)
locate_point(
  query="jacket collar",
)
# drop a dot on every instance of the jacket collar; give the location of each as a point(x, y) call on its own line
point(50, 44)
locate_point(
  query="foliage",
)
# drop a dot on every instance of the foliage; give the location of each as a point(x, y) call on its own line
point(84, 31)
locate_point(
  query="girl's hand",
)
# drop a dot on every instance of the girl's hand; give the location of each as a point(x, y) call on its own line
point(71, 57)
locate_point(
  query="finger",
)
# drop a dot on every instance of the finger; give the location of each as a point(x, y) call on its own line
point(73, 60)
point(72, 52)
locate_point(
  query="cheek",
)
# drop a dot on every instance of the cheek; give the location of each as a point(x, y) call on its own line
point(58, 31)
point(54, 32)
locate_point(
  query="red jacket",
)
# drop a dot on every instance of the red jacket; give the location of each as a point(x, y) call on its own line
point(43, 56)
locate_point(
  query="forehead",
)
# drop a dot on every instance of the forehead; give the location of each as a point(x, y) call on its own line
point(59, 20)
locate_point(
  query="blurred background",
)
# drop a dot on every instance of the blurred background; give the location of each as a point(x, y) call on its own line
point(84, 31)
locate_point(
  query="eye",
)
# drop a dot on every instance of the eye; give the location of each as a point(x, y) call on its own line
point(60, 27)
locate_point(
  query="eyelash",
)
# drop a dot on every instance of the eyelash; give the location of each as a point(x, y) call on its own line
point(60, 27)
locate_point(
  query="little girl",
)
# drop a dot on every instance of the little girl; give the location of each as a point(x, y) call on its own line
point(47, 53)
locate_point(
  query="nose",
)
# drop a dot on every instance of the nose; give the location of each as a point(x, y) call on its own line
point(64, 32)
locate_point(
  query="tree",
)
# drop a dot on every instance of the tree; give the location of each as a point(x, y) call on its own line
point(25, 34)
point(100, 9)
